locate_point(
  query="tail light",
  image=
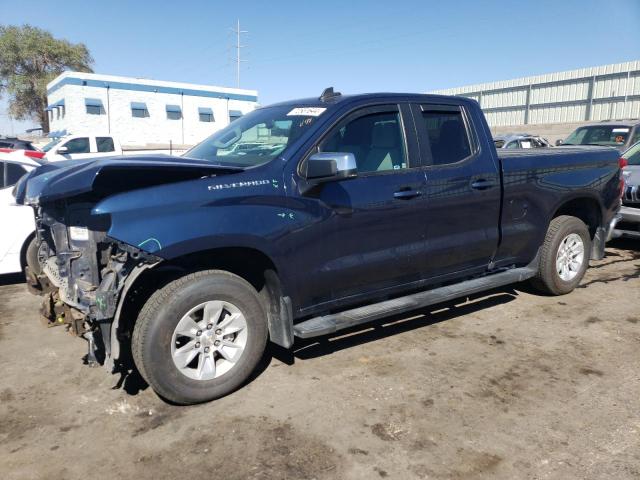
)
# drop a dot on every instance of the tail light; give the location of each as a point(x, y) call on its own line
point(622, 162)
point(27, 153)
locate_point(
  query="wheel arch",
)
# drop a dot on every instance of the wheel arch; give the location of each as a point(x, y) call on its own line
point(589, 210)
point(253, 265)
point(586, 208)
point(24, 248)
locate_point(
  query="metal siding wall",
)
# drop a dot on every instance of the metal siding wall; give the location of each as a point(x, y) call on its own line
point(560, 93)
point(506, 117)
point(557, 114)
point(504, 99)
point(561, 97)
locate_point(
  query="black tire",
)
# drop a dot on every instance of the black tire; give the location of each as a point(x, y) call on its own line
point(31, 257)
point(548, 279)
point(153, 331)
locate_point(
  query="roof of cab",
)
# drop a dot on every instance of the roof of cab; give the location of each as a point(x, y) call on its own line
point(362, 97)
point(342, 99)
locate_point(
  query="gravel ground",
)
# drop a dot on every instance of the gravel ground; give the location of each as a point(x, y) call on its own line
point(506, 385)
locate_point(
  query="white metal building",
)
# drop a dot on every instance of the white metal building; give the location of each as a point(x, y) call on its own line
point(143, 112)
point(588, 94)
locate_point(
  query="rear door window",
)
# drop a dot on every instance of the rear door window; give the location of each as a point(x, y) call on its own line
point(105, 144)
point(447, 134)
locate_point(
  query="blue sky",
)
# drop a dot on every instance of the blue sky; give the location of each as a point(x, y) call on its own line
point(296, 48)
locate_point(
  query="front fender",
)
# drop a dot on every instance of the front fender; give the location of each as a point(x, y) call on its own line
point(179, 219)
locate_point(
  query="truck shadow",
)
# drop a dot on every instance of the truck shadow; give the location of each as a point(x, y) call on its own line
point(11, 279)
point(624, 244)
point(393, 325)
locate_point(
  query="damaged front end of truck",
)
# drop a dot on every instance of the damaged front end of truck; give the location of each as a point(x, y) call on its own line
point(82, 273)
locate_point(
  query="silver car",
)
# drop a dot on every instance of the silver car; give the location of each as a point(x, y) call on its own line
point(520, 140)
point(629, 225)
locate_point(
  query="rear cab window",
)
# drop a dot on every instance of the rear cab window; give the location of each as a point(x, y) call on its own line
point(105, 144)
point(446, 131)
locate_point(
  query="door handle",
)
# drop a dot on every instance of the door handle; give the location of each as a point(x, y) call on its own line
point(483, 184)
point(407, 194)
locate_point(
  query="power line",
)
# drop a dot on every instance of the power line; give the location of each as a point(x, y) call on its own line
point(238, 47)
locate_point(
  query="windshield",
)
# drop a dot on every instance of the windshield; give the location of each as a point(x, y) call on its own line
point(256, 138)
point(599, 135)
point(632, 156)
point(51, 144)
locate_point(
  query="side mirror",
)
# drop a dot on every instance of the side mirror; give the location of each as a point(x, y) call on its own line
point(62, 150)
point(329, 166)
point(559, 142)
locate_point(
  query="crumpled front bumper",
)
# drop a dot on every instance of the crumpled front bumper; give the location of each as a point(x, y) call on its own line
point(82, 282)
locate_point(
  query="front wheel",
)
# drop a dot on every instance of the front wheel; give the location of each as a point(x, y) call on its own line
point(33, 256)
point(200, 337)
point(564, 257)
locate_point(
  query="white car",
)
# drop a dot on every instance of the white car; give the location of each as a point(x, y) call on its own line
point(17, 220)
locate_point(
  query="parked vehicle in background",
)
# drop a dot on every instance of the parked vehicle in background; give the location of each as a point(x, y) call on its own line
point(354, 208)
point(620, 134)
point(629, 225)
point(17, 228)
point(520, 140)
point(14, 143)
point(84, 146)
point(78, 147)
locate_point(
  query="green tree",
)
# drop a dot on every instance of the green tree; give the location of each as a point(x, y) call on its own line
point(29, 59)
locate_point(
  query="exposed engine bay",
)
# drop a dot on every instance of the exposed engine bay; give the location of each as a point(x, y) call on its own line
point(81, 274)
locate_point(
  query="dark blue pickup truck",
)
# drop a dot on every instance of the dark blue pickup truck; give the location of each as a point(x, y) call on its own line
point(301, 219)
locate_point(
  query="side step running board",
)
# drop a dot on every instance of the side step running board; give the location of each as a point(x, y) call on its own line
point(327, 324)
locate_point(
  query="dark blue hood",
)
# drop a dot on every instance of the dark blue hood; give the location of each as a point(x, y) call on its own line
point(106, 176)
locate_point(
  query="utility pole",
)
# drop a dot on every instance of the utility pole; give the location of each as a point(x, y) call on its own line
point(238, 46)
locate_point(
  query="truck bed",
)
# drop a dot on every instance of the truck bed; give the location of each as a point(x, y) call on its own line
point(537, 181)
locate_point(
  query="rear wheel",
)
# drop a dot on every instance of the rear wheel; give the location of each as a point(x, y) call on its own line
point(564, 257)
point(200, 337)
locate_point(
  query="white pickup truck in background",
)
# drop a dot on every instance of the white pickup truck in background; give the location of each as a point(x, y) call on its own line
point(79, 146)
point(75, 147)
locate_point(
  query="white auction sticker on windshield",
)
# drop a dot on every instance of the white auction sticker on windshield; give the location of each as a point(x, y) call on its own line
point(621, 130)
point(306, 112)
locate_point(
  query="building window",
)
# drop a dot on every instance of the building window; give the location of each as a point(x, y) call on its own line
point(174, 112)
point(94, 106)
point(234, 115)
point(59, 107)
point(205, 114)
point(139, 110)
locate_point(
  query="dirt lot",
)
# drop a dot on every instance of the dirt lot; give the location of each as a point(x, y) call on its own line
point(506, 385)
